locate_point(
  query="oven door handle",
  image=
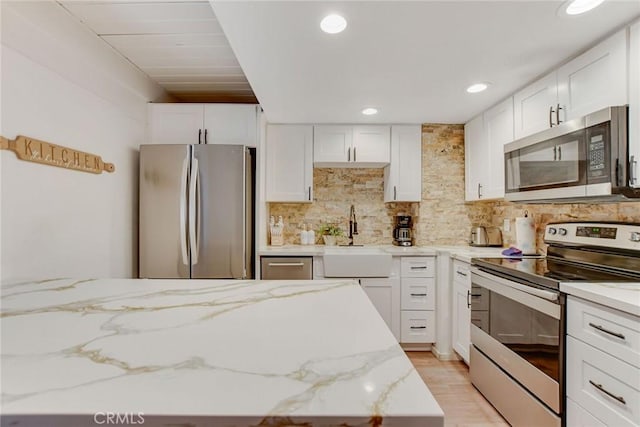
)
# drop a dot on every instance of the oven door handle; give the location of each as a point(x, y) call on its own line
point(548, 295)
point(547, 302)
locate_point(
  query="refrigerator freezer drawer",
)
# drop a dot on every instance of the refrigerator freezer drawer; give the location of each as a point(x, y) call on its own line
point(286, 268)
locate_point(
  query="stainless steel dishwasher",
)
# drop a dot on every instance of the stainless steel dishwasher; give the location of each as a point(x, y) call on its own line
point(286, 268)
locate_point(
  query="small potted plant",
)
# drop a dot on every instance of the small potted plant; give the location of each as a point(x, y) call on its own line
point(329, 233)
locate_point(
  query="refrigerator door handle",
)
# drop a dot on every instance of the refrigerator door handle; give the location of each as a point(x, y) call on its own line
point(183, 211)
point(193, 211)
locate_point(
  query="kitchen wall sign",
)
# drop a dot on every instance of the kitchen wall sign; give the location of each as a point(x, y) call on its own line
point(34, 150)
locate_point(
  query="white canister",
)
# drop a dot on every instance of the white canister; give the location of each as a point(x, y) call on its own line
point(304, 235)
point(311, 237)
point(526, 235)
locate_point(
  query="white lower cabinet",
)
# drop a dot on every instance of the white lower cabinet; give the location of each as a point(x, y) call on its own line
point(603, 382)
point(461, 316)
point(385, 296)
point(417, 326)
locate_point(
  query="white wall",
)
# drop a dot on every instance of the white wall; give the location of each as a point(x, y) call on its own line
point(62, 84)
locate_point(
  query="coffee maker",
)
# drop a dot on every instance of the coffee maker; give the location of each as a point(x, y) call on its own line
point(402, 234)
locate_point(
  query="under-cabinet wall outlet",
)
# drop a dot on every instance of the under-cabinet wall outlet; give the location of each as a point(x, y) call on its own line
point(506, 225)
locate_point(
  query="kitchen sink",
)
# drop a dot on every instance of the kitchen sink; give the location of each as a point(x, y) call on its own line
point(356, 261)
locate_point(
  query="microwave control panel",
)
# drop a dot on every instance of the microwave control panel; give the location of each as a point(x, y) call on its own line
point(597, 157)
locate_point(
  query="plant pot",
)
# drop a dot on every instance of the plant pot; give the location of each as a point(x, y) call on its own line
point(329, 240)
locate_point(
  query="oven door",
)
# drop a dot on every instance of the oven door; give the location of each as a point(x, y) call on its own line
point(521, 329)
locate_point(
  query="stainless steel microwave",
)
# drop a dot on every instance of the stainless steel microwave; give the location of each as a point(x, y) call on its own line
point(582, 160)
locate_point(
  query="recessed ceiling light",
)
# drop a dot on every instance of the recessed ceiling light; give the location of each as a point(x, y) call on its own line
point(477, 87)
point(333, 24)
point(370, 111)
point(577, 7)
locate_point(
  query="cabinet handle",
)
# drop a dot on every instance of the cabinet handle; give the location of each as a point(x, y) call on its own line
point(461, 273)
point(286, 264)
point(555, 153)
point(608, 393)
point(558, 108)
point(468, 299)
point(395, 193)
point(422, 267)
point(354, 154)
point(559, 153)
point(606, 331)
point(551, 116)
point(479, 191)
point(199, 136)
point(205, 137)
point(309, 193)
point(418, 295)
point(633, 164)
point(418, 327)
point(349, 154)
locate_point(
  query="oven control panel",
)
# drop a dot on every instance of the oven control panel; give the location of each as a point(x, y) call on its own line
point(607, 235)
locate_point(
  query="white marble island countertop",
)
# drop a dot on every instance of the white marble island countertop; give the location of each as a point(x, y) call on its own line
point(204, 353)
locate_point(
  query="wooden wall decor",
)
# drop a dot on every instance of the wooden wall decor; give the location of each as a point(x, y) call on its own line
point(33, 150)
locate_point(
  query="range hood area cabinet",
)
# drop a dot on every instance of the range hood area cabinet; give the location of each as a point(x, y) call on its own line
point(484, 140)
point(289, 163)
point(403, 176)
point(186, 123)
point(366, 146)
point(594, 80)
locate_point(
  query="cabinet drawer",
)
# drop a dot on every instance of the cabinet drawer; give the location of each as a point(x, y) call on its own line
point(612, 331)
point(577, 416)
point(286, 268)
point(418, 294)
point(461, 273)
point(607, 386)
point(417, 326)
point(418, 266)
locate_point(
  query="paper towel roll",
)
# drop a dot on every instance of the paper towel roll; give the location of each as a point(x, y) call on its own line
point(526, 235)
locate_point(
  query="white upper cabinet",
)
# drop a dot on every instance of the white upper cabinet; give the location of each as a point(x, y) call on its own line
point(485, 137)
point(289, 163)
point(231, 124)
point(594, 80)
point(175, 123)
point(351, 146)
point(535, 107)
point(634, 104)
point(403, 176)
point(203, 124)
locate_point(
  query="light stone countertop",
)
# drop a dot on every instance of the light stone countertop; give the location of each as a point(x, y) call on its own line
point(620, 296)
point(204, 352)
point(464, 253)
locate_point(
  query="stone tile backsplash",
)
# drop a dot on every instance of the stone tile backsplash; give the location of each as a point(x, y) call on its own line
point(442, 217)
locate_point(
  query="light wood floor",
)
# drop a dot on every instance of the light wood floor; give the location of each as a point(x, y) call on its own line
point(449, 382)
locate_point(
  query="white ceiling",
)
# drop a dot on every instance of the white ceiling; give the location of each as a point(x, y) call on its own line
point(412, 60)
point(178, 43)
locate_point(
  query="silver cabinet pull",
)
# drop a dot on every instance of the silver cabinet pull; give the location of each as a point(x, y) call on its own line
point(606, 331)
point(479, 190)
point(418, 295)
point(461, 273)
point(286, 264)
point(309, 193)
point(354, 154)
point(395, 193)
point(559, 153)
point(558, 108)
point(418, 327)
point(349, 154)
point(199, 136)
point(608, 393)
point(422, 267)
point(633, 173)
point(205, 137)
point(555, 153)
point(468, 299)
point(551, 116)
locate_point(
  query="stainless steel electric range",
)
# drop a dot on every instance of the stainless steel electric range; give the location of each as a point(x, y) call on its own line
point(518, 315)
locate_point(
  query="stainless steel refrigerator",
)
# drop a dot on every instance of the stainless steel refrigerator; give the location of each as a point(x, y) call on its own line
point(196, 211)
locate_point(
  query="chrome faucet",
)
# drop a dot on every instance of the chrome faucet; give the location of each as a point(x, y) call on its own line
point(353, 224)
